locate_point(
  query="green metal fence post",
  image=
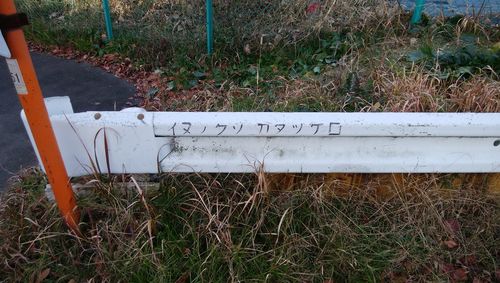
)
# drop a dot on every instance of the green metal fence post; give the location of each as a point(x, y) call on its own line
point(210, 27)
point(107, 18)
point(417, 13)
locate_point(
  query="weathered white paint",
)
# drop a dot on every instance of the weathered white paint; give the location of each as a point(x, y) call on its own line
point(151, 142)
point(58, 105)
point(4, 49)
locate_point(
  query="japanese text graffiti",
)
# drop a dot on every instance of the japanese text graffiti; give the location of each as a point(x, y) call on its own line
point(185, 128)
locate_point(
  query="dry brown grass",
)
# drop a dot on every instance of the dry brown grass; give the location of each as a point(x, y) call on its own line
point(479, 94)
point(229, 228)
point(412, 91)
point(417, 90)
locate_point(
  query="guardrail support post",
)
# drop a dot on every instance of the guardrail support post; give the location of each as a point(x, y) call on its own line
point(210, 27)
point(417, 13)
point(107, 19)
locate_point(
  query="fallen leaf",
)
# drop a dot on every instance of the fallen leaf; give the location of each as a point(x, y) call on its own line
point(395, 277)
point(184, 278)
point(313, 8)
point(453, 225)
point(42, 275)
point(447, 268)
point(450, 244)
point(459, 274)
point(469, 260)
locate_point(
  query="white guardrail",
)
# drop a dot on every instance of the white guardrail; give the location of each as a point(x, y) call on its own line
point(136, 141)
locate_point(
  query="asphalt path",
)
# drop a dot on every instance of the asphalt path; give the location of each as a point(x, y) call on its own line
point(90, 89)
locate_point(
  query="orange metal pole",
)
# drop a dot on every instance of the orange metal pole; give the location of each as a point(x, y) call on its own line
point(30, 96)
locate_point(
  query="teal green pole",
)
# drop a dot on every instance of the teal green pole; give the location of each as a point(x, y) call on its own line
point(417, 13)
point(210, 27)
point(107, 18)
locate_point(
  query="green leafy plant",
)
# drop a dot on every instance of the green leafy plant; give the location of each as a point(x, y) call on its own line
point(459, 61)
